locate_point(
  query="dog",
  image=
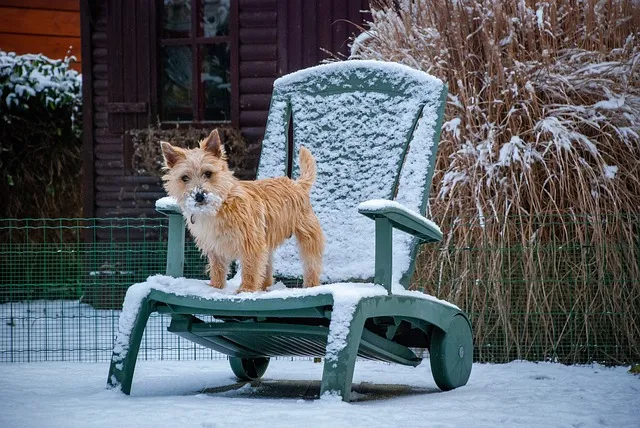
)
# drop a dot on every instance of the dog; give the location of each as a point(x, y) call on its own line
point(231, 219)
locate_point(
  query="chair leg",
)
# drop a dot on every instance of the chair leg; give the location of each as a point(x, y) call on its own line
point(337, 374)
point(121, 369)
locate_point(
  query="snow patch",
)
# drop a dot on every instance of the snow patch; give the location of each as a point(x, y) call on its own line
point(382, 204)
point(610, 171)
point(168, 202)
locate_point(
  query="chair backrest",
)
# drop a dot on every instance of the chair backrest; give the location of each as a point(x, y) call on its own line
point(373, 128)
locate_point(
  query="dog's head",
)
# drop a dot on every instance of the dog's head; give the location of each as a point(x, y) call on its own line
point(199, 179)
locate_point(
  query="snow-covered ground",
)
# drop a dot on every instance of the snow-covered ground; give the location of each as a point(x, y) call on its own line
point(205, 394)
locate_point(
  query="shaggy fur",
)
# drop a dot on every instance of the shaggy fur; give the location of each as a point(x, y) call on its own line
point(244, 220)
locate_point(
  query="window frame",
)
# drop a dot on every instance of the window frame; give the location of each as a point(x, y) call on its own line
point(195, 41)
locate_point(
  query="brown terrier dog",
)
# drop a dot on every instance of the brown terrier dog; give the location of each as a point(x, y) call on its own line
point(244, 220)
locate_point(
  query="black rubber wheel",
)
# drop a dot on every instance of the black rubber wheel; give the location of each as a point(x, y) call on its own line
point(249, 368)
point(452, 354)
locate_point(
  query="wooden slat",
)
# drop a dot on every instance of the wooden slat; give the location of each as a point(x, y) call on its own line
point(309, 34)
point(253, 5)
point(100, 54)
point(129, 63)
point(253, 133)
point(256, 85)
point(127, 107)
point(324, 24)
point(125, 212)
point(258, 35)
point(255, 102)
point(129, 180)
point(265, 19)
point(257, 69)
point(99, 39)
point(133, 195)
point(339, 27)
point(109, 165)
point(101, 103)
point(143, 48)
point(294, 51)
point(258, 52)
point(154, 63)
point(115, 64)
point(282, 37)
point(69, 5)
point(249, 118)
point(46, 22)
point(108, 140)
point(234, 31)
point(102, 155)
point(88, 188)
point(110, 172)
point(53, 47)
point(100, 120)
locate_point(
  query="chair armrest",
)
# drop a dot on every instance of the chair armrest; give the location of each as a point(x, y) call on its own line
point(168, 206)
point(402, 218)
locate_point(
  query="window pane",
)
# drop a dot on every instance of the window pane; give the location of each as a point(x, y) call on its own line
point(215, 17)
point(176, 19)
point(216, 82)
point(176, 83)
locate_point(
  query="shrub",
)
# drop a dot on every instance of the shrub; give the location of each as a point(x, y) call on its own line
point(40, 137)
point(538, 167)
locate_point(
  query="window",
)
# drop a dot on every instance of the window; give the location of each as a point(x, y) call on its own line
point(196, 61)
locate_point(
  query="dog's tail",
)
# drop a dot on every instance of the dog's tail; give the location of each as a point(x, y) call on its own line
point(307, 169)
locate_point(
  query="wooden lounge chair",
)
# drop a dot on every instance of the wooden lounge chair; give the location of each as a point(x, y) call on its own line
point(374, 129)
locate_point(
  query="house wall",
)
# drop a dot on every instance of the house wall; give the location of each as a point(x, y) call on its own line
point(50, 27)
point(275, 37)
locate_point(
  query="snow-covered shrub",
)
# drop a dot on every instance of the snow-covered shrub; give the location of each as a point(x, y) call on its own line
point(40, 136)
point(540, 149)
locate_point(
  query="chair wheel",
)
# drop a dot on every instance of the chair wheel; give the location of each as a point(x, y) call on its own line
point(249, 368)
point(452, 354)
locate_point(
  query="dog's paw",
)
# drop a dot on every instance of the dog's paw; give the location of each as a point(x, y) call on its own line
point(217, 285)
point(245, 289)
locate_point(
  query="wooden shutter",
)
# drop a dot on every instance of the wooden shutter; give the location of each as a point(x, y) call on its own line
point(131, 63)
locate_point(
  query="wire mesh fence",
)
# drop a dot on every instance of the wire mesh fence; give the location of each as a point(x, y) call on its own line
point(565, 295)
point(62, 283)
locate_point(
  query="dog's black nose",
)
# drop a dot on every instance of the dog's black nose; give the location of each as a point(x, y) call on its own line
point(199, 197)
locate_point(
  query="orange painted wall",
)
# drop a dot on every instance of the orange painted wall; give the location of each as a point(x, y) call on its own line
point(50, 27)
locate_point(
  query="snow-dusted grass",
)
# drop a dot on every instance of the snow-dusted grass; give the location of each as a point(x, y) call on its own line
point(205, 394)
point(540, 155)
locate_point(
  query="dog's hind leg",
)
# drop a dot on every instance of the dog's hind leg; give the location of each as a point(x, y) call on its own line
point(311, 244)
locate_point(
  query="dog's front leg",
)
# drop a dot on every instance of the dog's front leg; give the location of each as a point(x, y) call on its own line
point(254, 266)
point(254, 260)
point(217, 271)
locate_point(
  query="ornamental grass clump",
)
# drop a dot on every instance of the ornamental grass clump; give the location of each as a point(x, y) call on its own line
point(537, 180)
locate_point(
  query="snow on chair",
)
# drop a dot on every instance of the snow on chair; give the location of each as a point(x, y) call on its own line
point(374, 129)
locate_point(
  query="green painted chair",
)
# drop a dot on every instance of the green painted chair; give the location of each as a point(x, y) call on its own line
point(374, 129)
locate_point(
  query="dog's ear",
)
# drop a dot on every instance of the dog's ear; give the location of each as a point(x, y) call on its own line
point(213, 144)
point(172, 155)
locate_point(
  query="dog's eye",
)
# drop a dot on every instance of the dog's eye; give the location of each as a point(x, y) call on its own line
point(185, 178)
point(207, 174)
